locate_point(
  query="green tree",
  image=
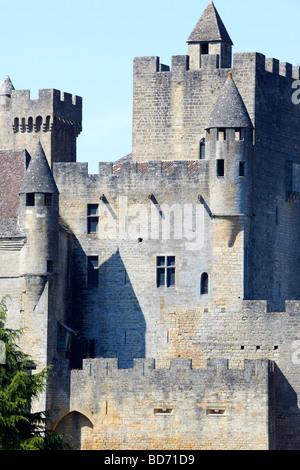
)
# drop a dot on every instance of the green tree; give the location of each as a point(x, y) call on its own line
point(20, 428)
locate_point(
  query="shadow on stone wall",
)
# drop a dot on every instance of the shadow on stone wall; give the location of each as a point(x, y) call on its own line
point(108, 317)
point(287, 414)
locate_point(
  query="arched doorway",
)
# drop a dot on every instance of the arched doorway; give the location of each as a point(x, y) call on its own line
point(78, 430)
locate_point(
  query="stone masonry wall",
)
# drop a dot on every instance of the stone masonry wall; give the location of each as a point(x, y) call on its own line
point(176, 408)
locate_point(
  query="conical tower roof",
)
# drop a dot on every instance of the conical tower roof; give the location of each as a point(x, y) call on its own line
point(6, 87)
point(38, 177)
point(210, 27)
point(229, 109)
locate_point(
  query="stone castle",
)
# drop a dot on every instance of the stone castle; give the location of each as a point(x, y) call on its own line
point(164, 290)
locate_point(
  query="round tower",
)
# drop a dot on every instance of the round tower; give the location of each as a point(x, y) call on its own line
point(229, 136)
point(38, 217)
point(39, 220)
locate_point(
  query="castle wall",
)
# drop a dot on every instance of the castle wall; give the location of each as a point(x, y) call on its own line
point(126, 308)
point(273, 263)
point(174, 408)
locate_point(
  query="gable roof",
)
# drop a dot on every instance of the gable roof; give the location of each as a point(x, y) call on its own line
point(229, 109)
point(210, 27)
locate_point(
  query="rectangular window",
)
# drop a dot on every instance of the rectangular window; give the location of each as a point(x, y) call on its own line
point(221, 134)
point(165, 271)
point(215, 412)
point(50, 266)
point(163, 411)
point(204, 48)
point(242, 168)
point(48, 200)
point(239, 134)
point(30, 199)
point(202, 149)
point(220, 167)
point(92, 218)
point(92, 271)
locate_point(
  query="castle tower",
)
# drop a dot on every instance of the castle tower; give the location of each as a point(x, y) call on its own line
point(210, 37)
point(230, 148)
point(52, 119)
point(38, 218)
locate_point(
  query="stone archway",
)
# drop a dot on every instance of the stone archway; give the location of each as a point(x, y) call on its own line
point(78, 430)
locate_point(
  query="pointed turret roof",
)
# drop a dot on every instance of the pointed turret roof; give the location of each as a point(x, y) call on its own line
point(38, 177)
point(6, 87)
point(229, 109)
point(210, 27)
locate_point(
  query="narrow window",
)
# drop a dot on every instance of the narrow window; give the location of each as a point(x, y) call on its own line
point(50, 266)
point(38, 123)
point(16, 125)
point(277, 216)
point(165, 271)
point(48, 199)
point(92, 271)
point(202, 149)
point(242, 168)
point(30, 125)
point(204, 284)
point(220, 168)
point(30, 199)
point(221, 134)
point(23, 125)
point(92, 218)
point(47, 125)
point(239, 134)
point(204, 49)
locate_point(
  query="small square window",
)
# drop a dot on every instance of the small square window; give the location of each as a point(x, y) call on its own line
point(92, 209)
point(30, 199)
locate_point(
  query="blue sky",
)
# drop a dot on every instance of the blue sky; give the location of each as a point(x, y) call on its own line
point(86, 47)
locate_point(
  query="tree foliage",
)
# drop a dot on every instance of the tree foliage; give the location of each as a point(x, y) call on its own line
point(20, 428)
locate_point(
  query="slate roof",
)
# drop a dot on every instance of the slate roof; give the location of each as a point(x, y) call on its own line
point(6, 87)
point(229, 109)
point(38, 177)
point(210, 27)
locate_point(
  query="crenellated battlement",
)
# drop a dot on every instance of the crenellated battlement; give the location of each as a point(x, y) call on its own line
point(181, 63)
point(46, 97)
point(147, 168)
point(103, 367)
point(52, 110)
